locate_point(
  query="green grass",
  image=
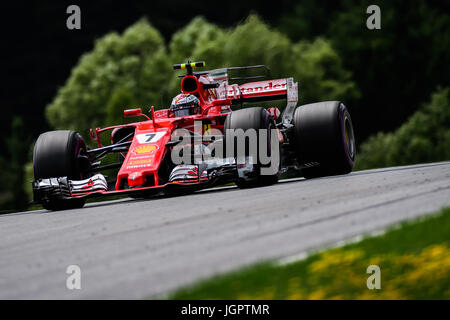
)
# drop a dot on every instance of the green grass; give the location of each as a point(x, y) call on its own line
point(414, 258)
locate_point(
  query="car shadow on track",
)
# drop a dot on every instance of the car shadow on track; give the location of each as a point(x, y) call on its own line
point(178, 195)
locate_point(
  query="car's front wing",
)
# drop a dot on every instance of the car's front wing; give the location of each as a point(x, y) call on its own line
point(183, 176)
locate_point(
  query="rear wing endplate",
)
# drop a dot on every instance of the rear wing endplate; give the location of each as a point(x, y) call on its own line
point(277, 89)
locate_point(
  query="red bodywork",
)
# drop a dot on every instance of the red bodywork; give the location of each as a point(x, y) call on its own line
point(139, 170)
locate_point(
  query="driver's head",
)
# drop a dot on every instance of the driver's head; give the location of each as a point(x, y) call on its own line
point(185, 105)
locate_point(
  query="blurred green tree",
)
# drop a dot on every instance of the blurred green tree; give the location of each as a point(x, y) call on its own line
point(424, 137)
point(133, 69)
point(130, 68)
point(315, 64)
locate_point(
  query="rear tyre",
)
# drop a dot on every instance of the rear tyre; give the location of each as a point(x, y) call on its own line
point(60, 154)
point(253, 118)
point(324, 139)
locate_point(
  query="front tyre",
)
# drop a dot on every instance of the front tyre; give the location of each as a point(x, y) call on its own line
point(256, 118)
point(324, 139)
point(60, 153)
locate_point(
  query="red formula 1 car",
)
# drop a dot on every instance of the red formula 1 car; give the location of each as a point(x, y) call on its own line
point(196, 143)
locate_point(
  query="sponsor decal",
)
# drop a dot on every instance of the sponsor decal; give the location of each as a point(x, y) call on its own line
point(138, 166)
point(145, 149)
point(161, 113)
point(142, 161)
point(141, 157)
point(260, 87)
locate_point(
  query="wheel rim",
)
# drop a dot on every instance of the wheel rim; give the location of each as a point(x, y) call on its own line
point(349, 137)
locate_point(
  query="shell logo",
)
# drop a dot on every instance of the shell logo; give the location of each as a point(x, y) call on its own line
point(145, 149)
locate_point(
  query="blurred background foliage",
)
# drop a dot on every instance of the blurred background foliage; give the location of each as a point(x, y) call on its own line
point(123, 54)
point(134, 69)
point(424, 137)
point(122, 70)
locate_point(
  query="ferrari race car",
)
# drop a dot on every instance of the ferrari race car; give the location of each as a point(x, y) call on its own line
point(198, 142)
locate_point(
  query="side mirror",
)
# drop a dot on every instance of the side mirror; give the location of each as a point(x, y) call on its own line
point(134, 113)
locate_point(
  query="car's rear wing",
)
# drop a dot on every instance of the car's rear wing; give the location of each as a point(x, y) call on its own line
point(267, 90)
point(216, 83)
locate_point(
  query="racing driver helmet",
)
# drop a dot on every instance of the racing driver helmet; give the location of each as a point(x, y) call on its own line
point(185, 105)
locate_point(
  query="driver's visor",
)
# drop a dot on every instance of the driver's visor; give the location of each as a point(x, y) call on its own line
point(182, 110)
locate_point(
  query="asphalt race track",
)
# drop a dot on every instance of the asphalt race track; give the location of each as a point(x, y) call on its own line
point(146, 248)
